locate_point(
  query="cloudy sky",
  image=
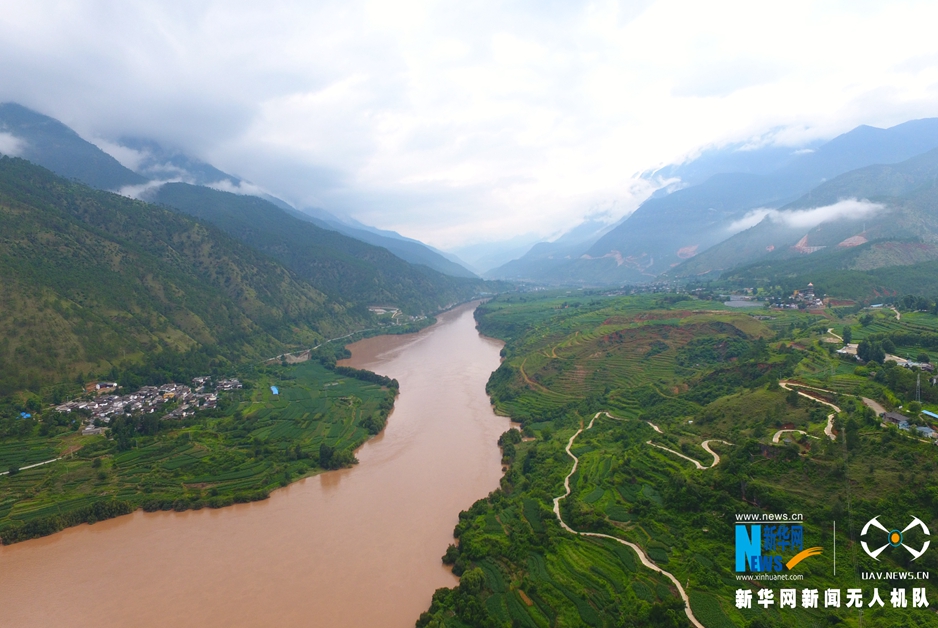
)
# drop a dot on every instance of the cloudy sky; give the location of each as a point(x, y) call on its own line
point(456, 123)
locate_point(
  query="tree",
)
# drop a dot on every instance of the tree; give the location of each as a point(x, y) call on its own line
point(325, 456)
point(852, 430)
point(923, 358)
point(472, 580)
point(871, 351)
point(848, 334)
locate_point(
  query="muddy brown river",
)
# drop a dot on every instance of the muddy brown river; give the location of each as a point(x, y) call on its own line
point(358, 548)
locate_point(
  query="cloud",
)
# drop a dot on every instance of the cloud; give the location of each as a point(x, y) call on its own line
point(807, 219)
point(141, 190)
point(726, 78)
point(128, 157)
point(751, 219)
point(460, 123)
point(242, 187)
point(10, 145)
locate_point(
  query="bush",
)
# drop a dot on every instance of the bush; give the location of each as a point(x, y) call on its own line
point(42, 526)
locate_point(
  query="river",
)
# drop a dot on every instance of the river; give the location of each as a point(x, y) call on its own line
point(354, 548)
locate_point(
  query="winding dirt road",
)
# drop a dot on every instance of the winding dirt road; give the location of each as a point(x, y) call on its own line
point(642, 556)
point(875, 406)
point(829, 428)
point(706, 447)
point(778, 434)
point(615, 418)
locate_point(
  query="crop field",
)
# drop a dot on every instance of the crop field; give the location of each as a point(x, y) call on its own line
point(674, 374)
point(255, 442)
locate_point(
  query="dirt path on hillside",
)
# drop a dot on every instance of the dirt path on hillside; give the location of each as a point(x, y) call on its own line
point(642, 556)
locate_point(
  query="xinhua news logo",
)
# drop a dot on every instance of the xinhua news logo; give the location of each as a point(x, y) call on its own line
point(771, 546)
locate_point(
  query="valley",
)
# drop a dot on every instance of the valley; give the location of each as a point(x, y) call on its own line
point(706, 398)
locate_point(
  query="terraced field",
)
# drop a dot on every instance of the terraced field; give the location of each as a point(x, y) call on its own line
point(254, 443)
point(698, 373)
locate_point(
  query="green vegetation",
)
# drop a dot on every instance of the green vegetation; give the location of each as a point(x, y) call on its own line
point(252, 443)
point(869, 286)
point(698, 372)
point(349, 271)
point(90, 280)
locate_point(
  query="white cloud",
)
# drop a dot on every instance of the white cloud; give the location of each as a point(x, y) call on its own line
point(128, 157)
point(459, 123)
point(140, 191)
point(243, 188)
point(849, 209)
point(10, 145)
point(751, 219)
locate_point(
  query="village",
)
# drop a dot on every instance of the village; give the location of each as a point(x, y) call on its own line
point(101, 404)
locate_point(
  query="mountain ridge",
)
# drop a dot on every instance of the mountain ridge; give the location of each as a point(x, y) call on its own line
point(53, 145)
point(666, 230)
point(92, 280)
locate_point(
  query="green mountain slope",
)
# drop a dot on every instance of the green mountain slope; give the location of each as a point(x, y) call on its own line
point(89, 278)
point(412, 251)
point(666, 230)
point(53, 145)
point(840, 275)
point(48, 142)
point(907, 191)
point(651, 424)
point(346, 269)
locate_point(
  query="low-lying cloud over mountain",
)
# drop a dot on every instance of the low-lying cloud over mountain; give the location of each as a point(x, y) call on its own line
point(468, 123)
point(850, 208)
point(10, 145)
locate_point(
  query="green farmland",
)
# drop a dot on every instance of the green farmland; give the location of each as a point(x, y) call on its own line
point(675, 373)
point(253, 443)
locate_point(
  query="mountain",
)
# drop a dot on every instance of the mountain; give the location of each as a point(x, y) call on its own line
point(157, 163)
point(552, 256)
point(740, 157)
point(91, 279)
point(349, 271)
point(485, 256)
point(48, 142)
point(666, 230)
point(160, 164)
point(51, 144)
point(906, 192)
point(409, 250)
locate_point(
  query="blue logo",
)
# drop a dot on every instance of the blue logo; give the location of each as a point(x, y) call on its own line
point(759, 548)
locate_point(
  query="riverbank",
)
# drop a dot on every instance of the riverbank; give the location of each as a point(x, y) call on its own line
point(317, 547)
point(256, 441)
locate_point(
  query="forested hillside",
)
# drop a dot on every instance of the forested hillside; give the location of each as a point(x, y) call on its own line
point(348, 270)
point(90, 279)
point(651, 423)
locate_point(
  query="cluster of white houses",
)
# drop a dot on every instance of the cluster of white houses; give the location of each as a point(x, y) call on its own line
point(147, 400)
